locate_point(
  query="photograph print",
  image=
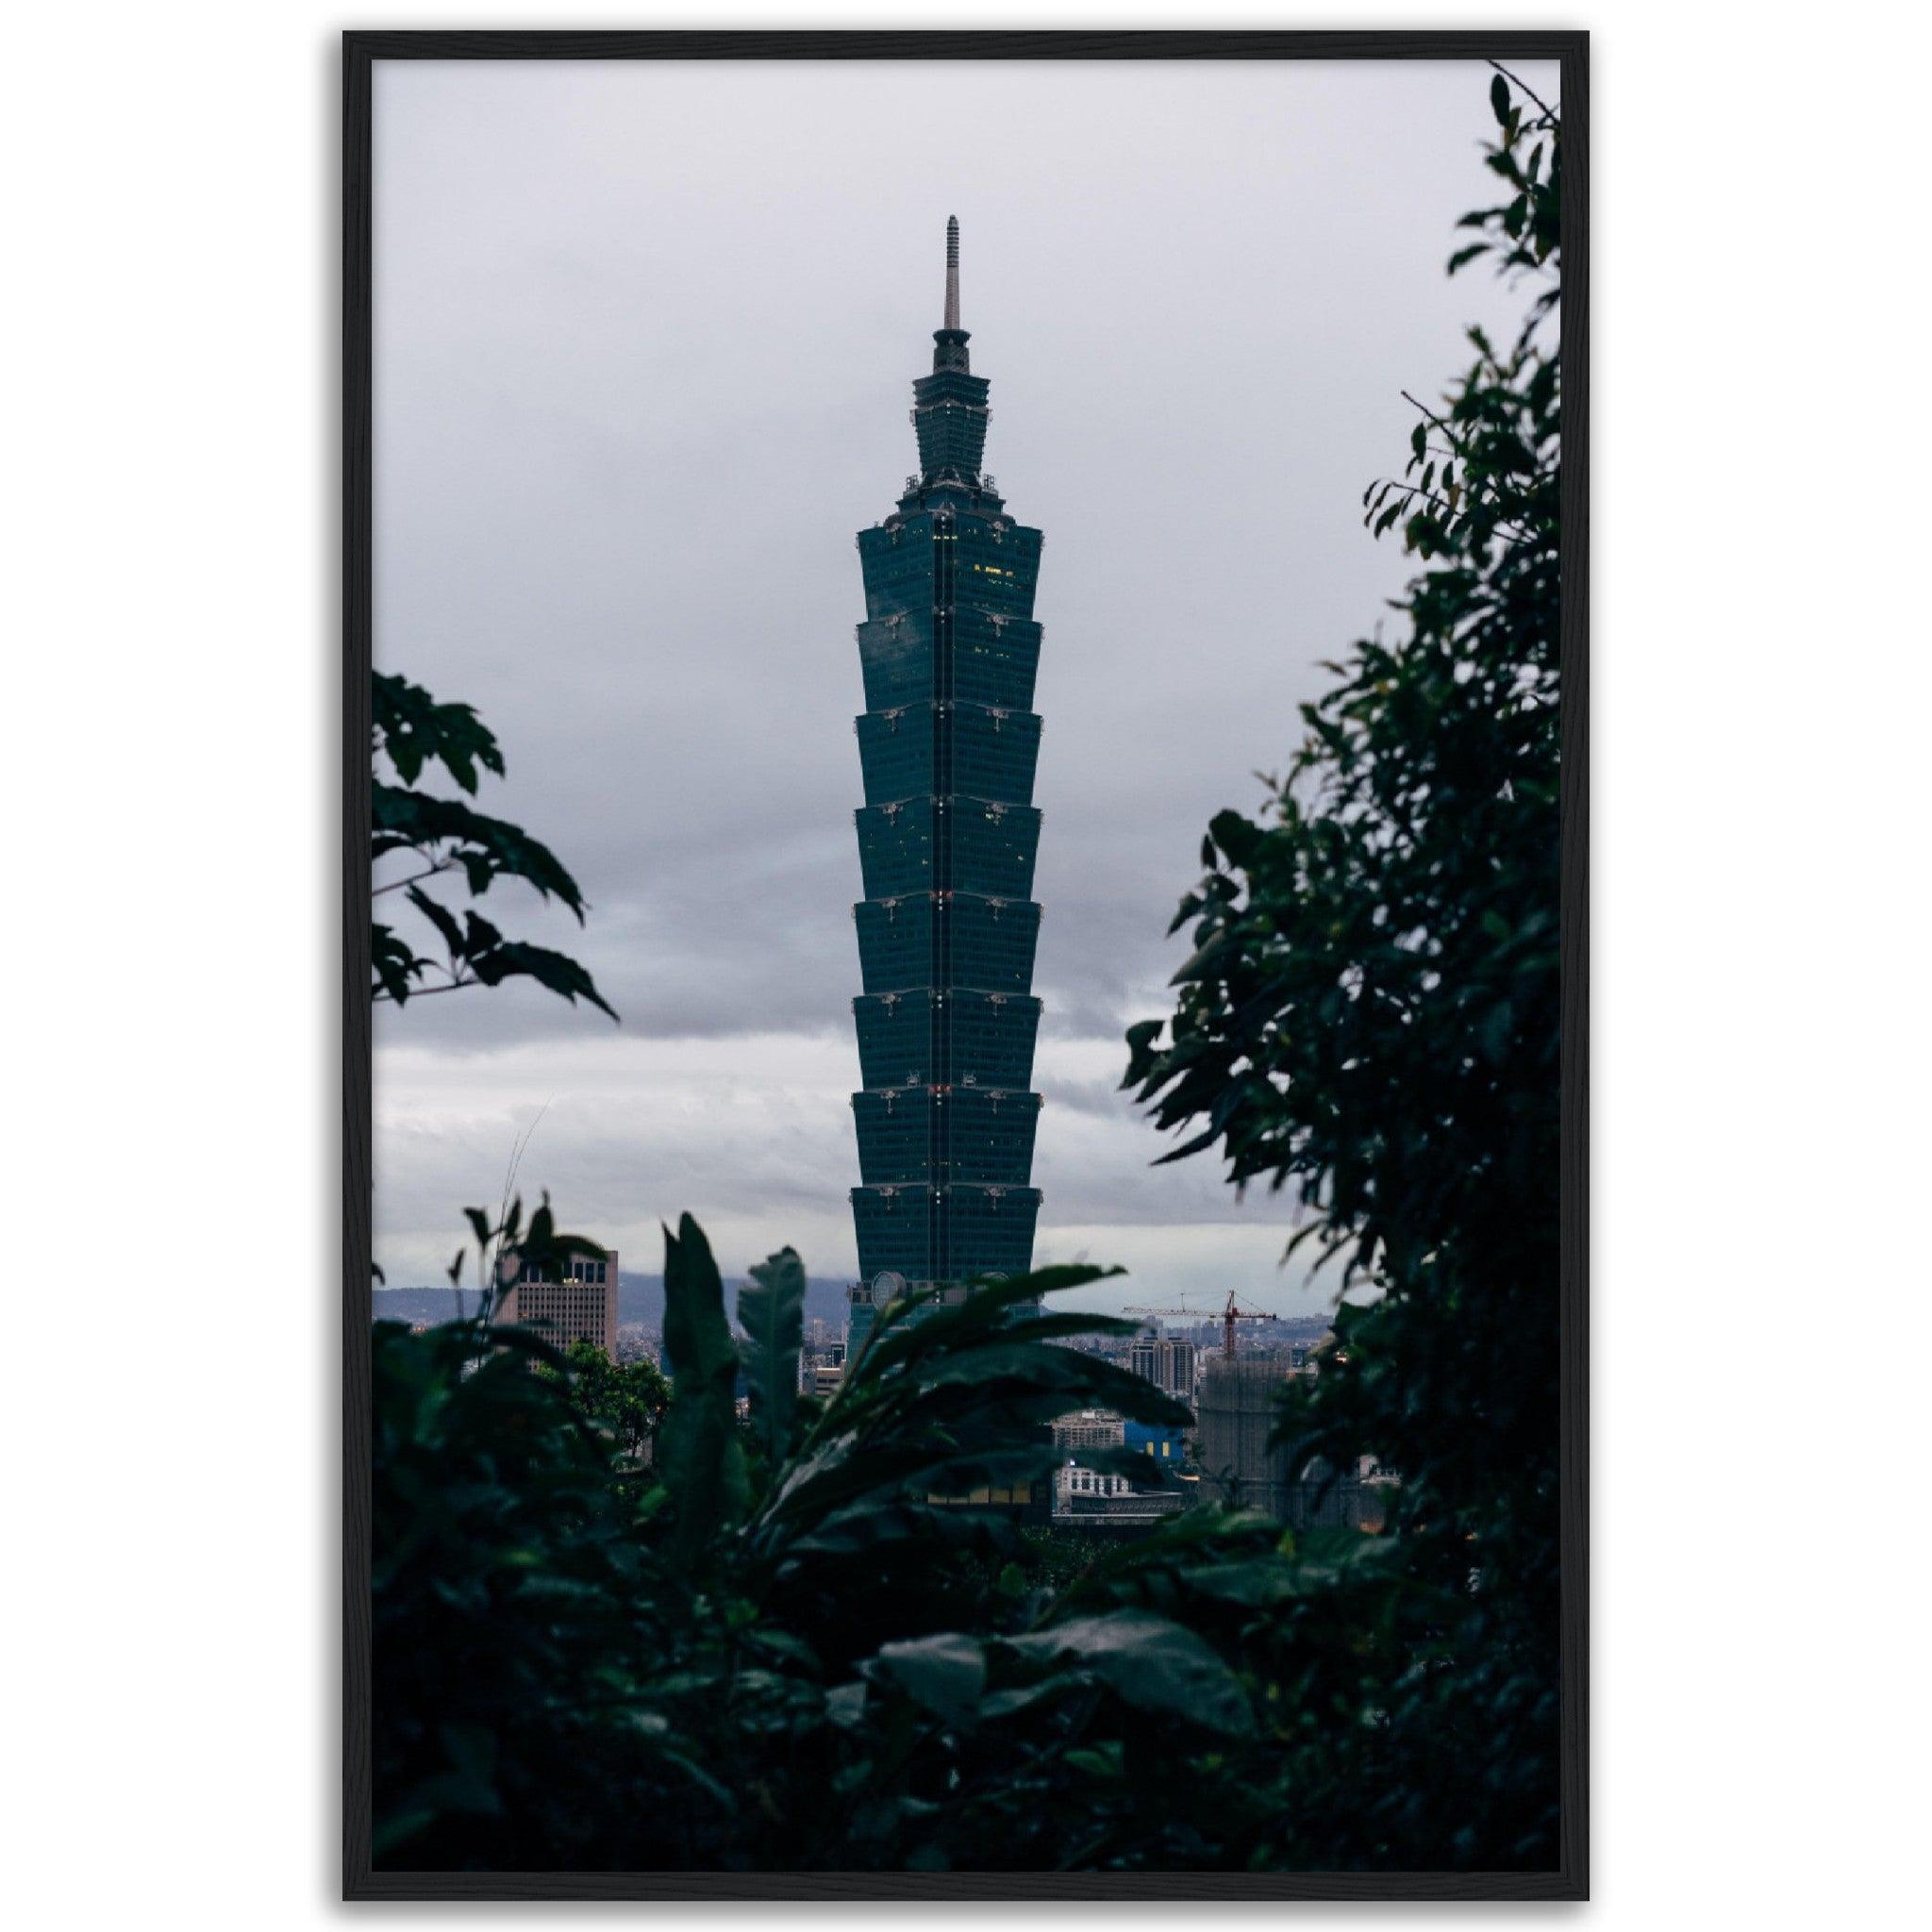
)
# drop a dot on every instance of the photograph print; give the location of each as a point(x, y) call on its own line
point(965, 1274)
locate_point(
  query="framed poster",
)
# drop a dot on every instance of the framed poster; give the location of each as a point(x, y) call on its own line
point(965, 1264)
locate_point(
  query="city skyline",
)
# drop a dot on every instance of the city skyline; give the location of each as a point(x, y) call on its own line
point(637, 383)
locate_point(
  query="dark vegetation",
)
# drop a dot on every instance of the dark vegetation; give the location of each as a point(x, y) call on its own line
point(447, 842)
point(782, 1645)
point(1370, 1021)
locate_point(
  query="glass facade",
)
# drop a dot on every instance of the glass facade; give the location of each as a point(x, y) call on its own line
point(902, 845)
point(948, 836)
point(986, 1038)
point(989, 752)
point(931, 1133)
point(940, 939)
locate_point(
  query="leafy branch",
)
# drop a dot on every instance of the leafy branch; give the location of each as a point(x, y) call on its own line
point(413, 732)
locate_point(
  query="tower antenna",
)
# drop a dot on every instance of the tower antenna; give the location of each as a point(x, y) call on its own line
point(951, 272)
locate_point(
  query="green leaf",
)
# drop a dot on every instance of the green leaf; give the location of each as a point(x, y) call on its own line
point(877, 1522)
point(702, 1458)
point(771, 1310)
point(487, 847)
point(1105, 1761)
point(543, 1226)
point(1259, 1584)
point(1197, 962)
point(394, 963)
point(845, 1704)
point(440, 917)
point(1084, 1381)
point(898, 1339)
point(945, 1673)
point(1149, 1663)
point(1495, 1032)
point(1235, 836)
point(1499, 100)
point(551, 1251)
point(493, 959)
point(411, 728)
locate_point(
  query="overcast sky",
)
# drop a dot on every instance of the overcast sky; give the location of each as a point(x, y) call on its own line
point(645, 333)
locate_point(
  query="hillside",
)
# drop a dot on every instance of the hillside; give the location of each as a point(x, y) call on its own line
point(640, 1299)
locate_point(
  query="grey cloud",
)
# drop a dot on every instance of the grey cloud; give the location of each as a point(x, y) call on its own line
point(644, 339)
point(753, 1136)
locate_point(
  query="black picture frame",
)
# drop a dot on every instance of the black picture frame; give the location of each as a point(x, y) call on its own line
point(362, 50)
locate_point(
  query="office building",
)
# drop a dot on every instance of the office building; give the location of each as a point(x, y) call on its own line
point(574, 1303)
point(1167, 1362)
point(1089, 1428)
point(946, 1019)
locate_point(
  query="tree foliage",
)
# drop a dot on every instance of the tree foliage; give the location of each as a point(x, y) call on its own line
point(449, 841)
point(1370, 1020)
point(826, 1661)
point(803, 1645)
point(625, 1400)
point(836, 1660)
point(703, 1457)
point(505, 1246)
point(771, 1312)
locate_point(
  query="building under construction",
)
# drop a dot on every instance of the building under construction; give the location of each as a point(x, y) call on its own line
point(1238, 1405)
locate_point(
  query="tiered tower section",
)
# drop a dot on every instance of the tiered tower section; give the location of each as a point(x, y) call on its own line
point(946, 842)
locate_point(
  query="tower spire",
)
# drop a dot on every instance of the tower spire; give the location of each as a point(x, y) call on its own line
point(950, 340)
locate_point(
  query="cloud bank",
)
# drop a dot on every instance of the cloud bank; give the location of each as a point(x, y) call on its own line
point(644, 339)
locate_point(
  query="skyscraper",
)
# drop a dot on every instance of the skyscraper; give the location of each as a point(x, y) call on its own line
point(576, 1302)
point(946, 841)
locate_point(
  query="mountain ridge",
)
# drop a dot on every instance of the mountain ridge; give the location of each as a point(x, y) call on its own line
point(640, 1300)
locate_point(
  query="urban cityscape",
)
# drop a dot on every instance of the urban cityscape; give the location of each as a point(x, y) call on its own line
point(1210, 1522)
point(946, 1021)
point(1226, 1458)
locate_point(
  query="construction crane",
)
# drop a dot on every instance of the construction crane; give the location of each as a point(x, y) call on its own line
point(1229, 1316)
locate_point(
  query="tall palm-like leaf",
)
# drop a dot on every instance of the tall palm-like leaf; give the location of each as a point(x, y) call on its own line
point(703, 1458)
point(771, 1311)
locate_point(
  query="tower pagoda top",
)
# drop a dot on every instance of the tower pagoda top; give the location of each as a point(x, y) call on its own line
point(950, 340)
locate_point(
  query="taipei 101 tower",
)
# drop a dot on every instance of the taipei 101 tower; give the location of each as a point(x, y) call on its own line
point(946, 842)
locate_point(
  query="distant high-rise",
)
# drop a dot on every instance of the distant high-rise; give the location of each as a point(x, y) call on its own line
point(1243, 1463)
point(1166, 1360)
point(576, 1301)
point(946, 841)
point(1178, 1362)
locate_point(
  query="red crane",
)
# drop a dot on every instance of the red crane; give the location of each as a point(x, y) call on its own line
point(1229, 1316)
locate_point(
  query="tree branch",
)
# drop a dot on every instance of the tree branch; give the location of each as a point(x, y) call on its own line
point(424, 992)
point(1441, 422)
point(415, 877)
point(1548, 110)
point(1443, 503)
